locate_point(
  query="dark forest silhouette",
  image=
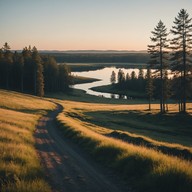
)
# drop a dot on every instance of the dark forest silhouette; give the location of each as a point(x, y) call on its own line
point(28, 71)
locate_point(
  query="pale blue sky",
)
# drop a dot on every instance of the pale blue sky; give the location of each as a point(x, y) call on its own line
point(85, 24)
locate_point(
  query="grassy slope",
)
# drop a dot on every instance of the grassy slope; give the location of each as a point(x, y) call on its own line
point(171, 127)
point(20, 168)
point(147, 169)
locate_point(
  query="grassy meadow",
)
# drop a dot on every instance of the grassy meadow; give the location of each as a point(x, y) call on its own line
point(152, 153)
point(20, 168)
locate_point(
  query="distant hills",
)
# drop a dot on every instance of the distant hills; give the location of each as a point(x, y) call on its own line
point(92, 51)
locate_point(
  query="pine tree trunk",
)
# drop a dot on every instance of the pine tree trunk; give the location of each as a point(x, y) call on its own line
point(149, 103)
point(35, 82)
point(162, 108)
point(22, 82)
point(7, 81)
point(184, 76)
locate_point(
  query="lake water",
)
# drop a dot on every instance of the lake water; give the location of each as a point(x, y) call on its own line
point(104, 76)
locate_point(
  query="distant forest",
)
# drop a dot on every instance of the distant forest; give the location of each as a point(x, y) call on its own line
point(100, 57)
point(31, 72)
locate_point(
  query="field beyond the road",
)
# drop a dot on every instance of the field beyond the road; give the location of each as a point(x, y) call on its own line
point(152, 151)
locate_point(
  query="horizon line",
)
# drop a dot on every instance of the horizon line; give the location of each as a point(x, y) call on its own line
point(86, 50)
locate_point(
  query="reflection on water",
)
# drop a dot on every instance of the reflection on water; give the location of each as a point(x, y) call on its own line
point(104, 76)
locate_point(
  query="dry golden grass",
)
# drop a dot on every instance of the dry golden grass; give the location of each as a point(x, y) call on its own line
point(23, 102)
point(79, 110)
point(151, 169)
point(20, 168)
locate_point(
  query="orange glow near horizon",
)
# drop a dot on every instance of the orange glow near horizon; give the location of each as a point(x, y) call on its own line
point(84, 24)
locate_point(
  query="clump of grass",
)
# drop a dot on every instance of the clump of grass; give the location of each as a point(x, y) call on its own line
point(167, 148)
point(147, 169)
point(20, 169)
point(26, 186)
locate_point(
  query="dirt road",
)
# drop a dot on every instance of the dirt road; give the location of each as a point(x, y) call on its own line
point(67, 167)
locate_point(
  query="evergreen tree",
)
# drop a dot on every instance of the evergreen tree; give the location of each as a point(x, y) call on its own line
point(181, 44)
point(50, 74)
point(113, 78)
point(167, 89)
point(141, 74)
point(128, 77)
point(64, 78)
point(8, 61)
point(28, 69)
point(2, 69)
point(25, 71)
point(158, 53)
point(141, 81)
point(133, 75)
point(149, 86)
point(21, 70)
point(37, 73)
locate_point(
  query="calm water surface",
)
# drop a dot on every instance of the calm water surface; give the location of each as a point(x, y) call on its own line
point(104, 76)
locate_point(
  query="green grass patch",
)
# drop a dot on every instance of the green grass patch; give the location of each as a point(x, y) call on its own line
point(115, 90)
point(170, 128)
point(80, 95)
point(146, 169)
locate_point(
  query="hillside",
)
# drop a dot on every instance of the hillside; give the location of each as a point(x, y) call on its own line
point(20, 168)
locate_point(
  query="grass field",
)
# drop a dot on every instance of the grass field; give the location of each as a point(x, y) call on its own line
point(20, 168)
point(157, 153)
point(152, 152)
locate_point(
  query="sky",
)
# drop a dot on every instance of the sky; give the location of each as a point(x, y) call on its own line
point(85, 24)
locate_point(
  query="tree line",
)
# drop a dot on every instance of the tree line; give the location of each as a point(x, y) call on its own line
point(31, 72)
point(101, 57)
point(172, 53)
point(138, 83)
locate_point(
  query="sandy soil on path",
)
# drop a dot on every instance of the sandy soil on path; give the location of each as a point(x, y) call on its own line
point(67, 167)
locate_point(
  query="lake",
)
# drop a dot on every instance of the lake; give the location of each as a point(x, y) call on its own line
point(104, 76)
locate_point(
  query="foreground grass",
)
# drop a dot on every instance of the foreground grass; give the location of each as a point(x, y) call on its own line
point(20, 169)
point(145, 168)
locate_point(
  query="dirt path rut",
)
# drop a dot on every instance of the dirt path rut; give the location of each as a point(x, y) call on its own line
point(67, 168)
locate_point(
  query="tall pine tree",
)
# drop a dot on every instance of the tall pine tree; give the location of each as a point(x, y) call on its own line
point(181, 45)
point(158, 53)
point(38, 73)
point(8, 61)
point(149, 86)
